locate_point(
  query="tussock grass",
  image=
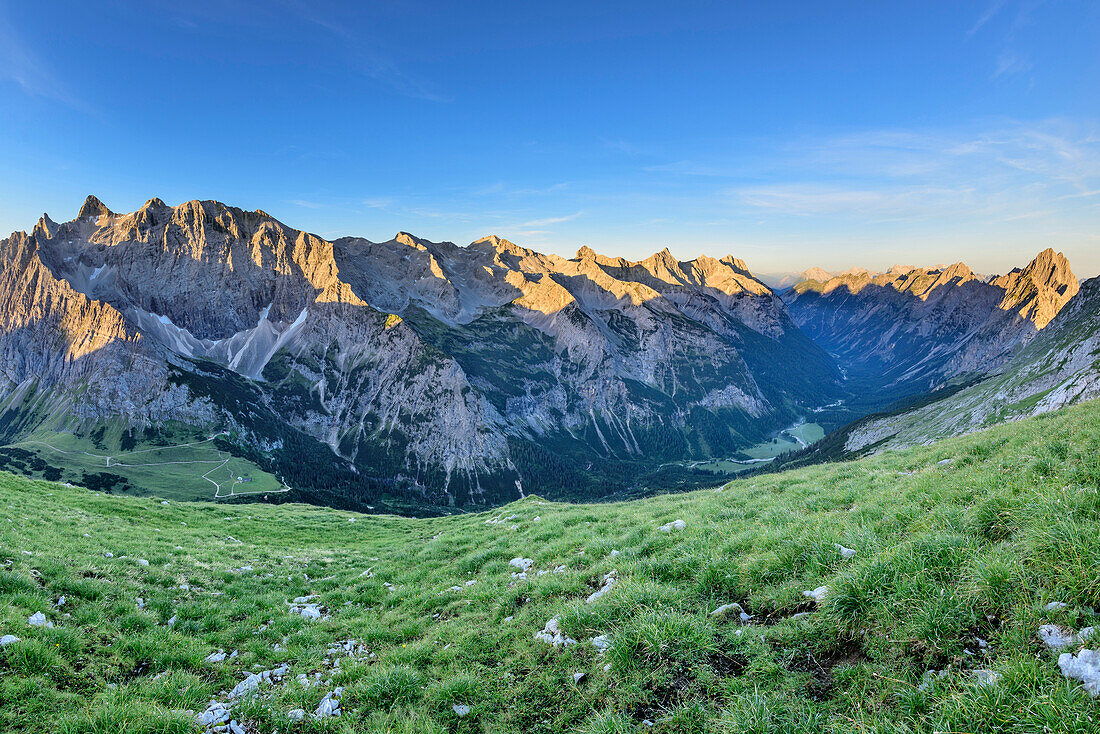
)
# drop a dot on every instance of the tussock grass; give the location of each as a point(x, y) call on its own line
point(946, 554)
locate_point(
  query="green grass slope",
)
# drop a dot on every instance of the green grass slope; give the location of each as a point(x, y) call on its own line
point(182, 467)
point(946, 554)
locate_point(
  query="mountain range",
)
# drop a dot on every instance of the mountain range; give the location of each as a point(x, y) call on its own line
point(412, 375)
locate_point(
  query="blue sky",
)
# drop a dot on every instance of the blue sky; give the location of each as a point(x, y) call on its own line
point(788, 133)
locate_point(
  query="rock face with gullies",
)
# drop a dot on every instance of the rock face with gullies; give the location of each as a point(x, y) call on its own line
point(910, 329)
point(450, 374)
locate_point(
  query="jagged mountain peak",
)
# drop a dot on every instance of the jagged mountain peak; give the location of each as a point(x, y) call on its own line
point(736, 263)
point(664, 257)
point(815, 273)
point(1051, 268)
point(93, 208)
point(1040, 290)
point(500, 245)
point(46, 226)
point(410, 240)
point(958, 270)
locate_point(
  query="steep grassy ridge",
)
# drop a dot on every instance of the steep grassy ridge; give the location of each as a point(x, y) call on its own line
point(946, 554)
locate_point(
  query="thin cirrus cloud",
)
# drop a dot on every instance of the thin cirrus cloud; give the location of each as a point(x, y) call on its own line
point(809, 199)
point(27, 70)
point(1019, 169)
point(367, 55)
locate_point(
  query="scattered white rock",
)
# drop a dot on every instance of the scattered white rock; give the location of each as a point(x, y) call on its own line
point(216, 714)
point(578, 677)
point(108, 554)
point(296, 714)
point(818, 594)
point(551, 634)
point(674, 525)
point(252, 683)
point(172, 620)
point(985, 678)
point(602, 643)
point(930, 677)
point(1057, 637)
point(1056, 606)
point(330, 704)
point(139, 603)
point(844, 552)
point(1083, 667)
point(142, 562)
point(523, 564)
point(8, 640)
point(215, 657)
point(614, 554)
point(248, 685)
point(60, 601)
point(944, 462)
point(509, 618)
point(461, 710)
point(38, 619)
point(608, 582)
point(305, 607)
point(734, 608)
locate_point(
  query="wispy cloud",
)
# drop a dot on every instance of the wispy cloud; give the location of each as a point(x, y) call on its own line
point(367, 54)
point(811, 199)
point(306, 204)
point(987, 15)
point(548, 221)
point(499, 188)
point(1016, 170)
point(1009, 63)
point(27, 70)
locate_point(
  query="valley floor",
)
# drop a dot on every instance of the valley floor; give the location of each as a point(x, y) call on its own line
point(900, 593)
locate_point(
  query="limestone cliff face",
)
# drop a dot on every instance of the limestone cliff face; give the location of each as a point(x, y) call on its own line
point(53, 335)
point(912, 328)
point(464, 371)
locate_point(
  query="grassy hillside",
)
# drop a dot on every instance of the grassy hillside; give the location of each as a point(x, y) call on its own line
point(962, 541)
point(183, 467)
